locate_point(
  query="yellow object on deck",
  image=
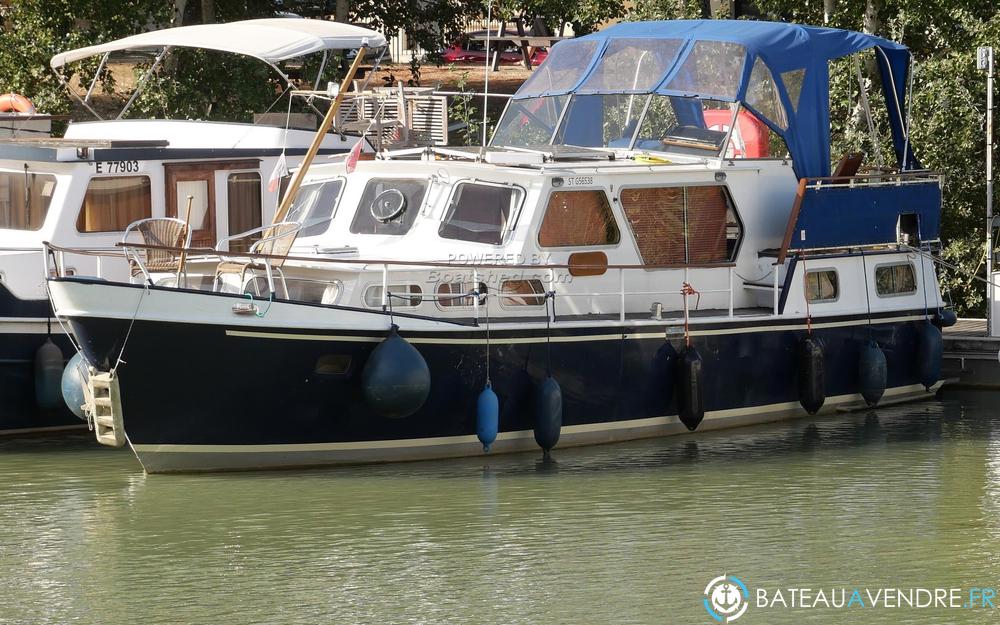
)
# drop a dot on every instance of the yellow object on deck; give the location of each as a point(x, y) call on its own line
point(649, 159)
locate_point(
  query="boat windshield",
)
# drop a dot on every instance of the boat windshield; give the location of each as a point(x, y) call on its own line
point(654, 122)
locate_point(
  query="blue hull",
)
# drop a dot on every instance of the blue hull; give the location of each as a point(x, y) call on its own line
point(206, 397)
point(19, 410)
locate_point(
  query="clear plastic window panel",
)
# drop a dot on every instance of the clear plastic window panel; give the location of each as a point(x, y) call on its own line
point(712, 68)
point(762, 95)
point(529, 122)
point(684, 126)
point(601, 120)
point(313, 207)
point(635, 65)
point(793, 85)
point(563, 68)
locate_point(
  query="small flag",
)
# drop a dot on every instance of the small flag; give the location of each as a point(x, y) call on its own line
point(353, 156)
point(279, 172)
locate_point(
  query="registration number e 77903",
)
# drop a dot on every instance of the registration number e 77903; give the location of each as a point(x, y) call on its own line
point(116, 167)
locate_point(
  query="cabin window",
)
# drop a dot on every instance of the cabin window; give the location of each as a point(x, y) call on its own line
point(314, 206)
point(522, 293)
point(452, 294)
point(896, 279)
point(682, 225)
point(112, 203)
point(389, 206)
point(25, 199)
point(480, 213)
point(822, 285)
point(244, 192)
point(578, 218)
point(400, 296)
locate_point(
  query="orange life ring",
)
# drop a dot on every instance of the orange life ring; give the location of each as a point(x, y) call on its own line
point(16, 103)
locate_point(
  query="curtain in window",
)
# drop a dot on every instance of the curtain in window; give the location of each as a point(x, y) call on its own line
point(244, 193)
point(575, 218)
point(111, 204)
point(656, 216)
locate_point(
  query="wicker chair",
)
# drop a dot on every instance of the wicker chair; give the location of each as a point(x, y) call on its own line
point(276, 240)
point(163, 231)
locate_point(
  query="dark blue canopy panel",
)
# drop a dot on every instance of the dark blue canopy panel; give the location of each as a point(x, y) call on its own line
point(778, 71)
point(843, 215)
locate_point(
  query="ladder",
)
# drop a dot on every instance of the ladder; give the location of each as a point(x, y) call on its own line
point(105, 406)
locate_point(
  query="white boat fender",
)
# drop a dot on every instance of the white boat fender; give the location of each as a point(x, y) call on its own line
point(74, 383)
point(396, 380)
point(49, 362)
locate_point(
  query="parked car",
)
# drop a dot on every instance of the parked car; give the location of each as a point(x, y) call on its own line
point(468, 49)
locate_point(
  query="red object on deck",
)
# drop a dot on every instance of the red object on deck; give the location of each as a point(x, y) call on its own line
point(751, 137)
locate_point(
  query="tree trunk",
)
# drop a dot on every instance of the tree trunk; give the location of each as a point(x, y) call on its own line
point(207, 11)
point(829, 6)
point(343, 10)
point(177, 19)
point(872, 25)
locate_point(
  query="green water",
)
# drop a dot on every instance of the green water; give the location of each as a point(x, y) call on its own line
point(907, 496)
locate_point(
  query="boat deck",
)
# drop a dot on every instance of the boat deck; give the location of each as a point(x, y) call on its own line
point(970, 355)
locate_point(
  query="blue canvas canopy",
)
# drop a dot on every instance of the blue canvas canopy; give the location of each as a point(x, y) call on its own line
point(778, 71)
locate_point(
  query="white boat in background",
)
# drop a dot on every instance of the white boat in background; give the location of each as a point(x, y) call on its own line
point(84, 190)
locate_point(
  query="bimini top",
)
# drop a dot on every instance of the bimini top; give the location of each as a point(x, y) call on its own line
point(271, 40)
point(779, 71)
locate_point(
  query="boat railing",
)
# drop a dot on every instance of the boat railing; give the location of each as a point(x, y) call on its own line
point(55, 264)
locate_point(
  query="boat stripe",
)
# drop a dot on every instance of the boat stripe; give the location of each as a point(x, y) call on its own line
point(854, 398)
point(563, 339)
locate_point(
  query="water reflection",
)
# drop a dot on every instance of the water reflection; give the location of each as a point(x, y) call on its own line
point(627, 533)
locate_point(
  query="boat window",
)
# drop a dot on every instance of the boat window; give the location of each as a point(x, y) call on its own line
point(752, 138)
point(762, 95)
point(314, 206)
point(562, 69)
point(243, 190)
point(453, 294)
point(400, 296)
point(111, 204)
point(822, 285)
point(601, 120)
point(793, 85)
point(636, 65)
point(684, 125)
point(711, 68)
point(529, 122)
point(895, 279)
point(480, 212)
point(25, 199)
point(682, 225)
point(389, 206)
point(578, 218)
point(522, 293)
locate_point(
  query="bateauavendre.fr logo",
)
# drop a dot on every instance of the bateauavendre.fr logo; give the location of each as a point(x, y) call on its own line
point(727, 598)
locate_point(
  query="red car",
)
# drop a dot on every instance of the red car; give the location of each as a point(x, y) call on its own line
point(469, 50)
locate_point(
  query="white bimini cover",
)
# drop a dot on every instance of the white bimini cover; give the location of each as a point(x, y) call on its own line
point(271, 40)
